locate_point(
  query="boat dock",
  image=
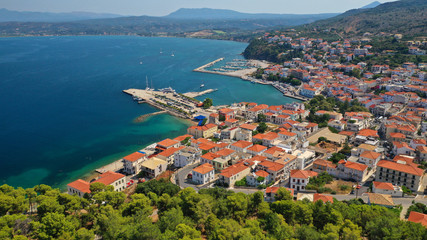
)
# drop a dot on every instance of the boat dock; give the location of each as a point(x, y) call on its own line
point(289, 94)
point(197, 94)
point(202, 68)
point(176, 104)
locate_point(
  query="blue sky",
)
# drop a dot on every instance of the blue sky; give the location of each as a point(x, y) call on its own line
point(164, 7)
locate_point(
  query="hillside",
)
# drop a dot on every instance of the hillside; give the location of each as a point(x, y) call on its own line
point(180, 25)
point(208, 13)
point(17, 16)
point(406, 17)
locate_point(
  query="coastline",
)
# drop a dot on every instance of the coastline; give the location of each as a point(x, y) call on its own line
point(121, 35)
point(244, 74)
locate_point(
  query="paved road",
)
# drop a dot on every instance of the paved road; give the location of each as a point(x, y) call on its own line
point(181, 176)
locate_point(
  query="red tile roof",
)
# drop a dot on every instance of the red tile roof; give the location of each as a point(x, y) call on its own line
point(406, 168)
point(233, 170)
point(80, 185)
point(134, 156)
point(272, 166)
point(324, 163)
point(248, 126)
point(226, 111)
point(356, 166)
point(262, 173)
point(109, 177)
point(225, 152)
point(257, 148)
point(242, 144)
point(302, 174)
point(204, 168)
point(325, 199)
point(417, 217)
point(397, 135)
point(167, 143)
point(183, 137)
point(170, 151)
point(273, 150)
point(370, 155)
point(383, 185)
point(368, 133)
point(210, 156)
point(347, 133)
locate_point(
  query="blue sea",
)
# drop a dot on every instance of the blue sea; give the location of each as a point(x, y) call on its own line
point(63, 113)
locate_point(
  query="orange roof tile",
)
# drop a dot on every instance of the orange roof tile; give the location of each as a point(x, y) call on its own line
point(210, 156)
point(287, 133)
point(368, 133)
point(417, 217)
point(167, 143)
point(262, 173)
point(204, 168)
point(226, 111)
point(170, 151)
point(325, 199)
point(80, 185)
point(397, 135)
point(356, 166)
point(272, 166)
point(346, 133)
point(273, 150)
point(370, 155)
point(302, 174)
point(383, 185)
point(324, 163)
point(406, 168)
point(109, 177)
point(242, 144)
point(257, 148)
point(233, 170)
point(183, 137)
point(225, 152)
point(134, 156)
point(248, 126)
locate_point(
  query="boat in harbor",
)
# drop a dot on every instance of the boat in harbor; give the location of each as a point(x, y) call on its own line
point(167, 90)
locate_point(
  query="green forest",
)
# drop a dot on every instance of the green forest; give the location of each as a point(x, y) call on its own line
point(262, 50)
point(161, 210)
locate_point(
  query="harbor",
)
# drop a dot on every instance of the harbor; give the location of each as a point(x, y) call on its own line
point(197, 94)
point(243, 69)
point(168, 100)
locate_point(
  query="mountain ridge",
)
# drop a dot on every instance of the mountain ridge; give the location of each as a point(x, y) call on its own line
point(400, 17)
point(210, 13)
point(371, 5)
point(7, 15)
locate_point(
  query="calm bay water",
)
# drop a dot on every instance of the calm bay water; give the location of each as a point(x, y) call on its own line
point(62, 110)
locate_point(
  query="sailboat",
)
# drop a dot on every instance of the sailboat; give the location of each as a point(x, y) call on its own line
point(172, 55)
point(161, 52)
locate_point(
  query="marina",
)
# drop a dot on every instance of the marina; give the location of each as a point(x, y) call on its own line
point(168, 100)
